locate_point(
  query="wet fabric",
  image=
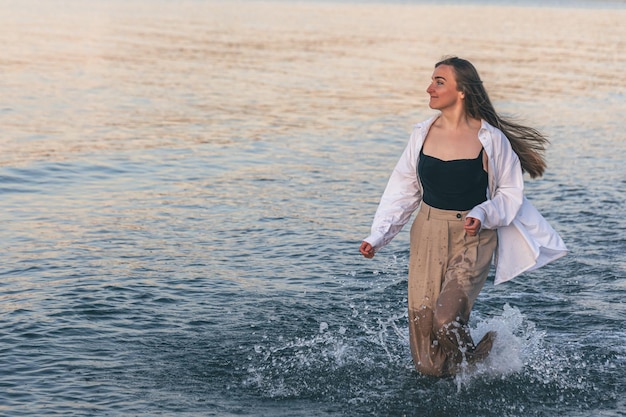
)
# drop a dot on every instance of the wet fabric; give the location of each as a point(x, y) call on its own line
point(447, 270)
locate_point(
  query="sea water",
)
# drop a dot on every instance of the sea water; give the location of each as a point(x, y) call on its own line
point(185, 185)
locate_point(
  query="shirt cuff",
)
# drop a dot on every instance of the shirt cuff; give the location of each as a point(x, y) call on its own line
point(477, 213)
point(375, 240)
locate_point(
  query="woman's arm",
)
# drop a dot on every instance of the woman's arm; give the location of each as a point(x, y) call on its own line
point(400, 199)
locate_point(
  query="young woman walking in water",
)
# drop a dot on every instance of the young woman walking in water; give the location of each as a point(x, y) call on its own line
point(464, 170)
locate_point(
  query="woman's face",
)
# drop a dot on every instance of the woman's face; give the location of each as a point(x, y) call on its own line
point(443, 89)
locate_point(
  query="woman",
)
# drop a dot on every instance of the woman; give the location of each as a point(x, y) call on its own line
point(464, 170)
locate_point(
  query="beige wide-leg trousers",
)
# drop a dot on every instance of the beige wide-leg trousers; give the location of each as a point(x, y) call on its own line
point(447, 270)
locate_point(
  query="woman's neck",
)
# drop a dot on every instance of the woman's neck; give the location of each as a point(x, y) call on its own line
point(454, 119)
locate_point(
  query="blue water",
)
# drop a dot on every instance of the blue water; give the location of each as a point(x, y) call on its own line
point(178, 239)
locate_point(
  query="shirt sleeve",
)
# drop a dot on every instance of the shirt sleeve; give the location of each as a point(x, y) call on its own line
point(508, 186)
point(399, 200)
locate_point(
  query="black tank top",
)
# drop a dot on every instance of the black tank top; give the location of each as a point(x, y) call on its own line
point(460, 184)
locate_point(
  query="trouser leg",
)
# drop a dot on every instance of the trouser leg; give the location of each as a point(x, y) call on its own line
point(465, 276)
point(450, 326)
point(426, 270)
point(446, 272)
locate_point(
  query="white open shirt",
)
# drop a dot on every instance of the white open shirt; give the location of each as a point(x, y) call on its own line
point(526, 241)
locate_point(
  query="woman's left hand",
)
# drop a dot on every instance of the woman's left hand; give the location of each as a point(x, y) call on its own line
point(472, 226)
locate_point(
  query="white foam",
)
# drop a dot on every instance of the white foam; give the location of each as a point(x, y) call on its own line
point(517, 344)
point(379, 340)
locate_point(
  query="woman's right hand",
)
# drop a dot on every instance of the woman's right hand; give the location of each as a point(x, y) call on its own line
point(366, 250)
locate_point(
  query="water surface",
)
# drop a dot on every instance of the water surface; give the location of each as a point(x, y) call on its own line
point(185, 186)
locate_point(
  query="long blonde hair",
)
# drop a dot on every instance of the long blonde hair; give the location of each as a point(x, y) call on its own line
point(528, 143)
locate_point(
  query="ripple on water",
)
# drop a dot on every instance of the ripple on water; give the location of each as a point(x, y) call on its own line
point(185, 185)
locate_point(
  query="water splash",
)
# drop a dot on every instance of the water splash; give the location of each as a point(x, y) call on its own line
point(287, 369)
point(517, 343)
point(368, 357)
point(521, 350)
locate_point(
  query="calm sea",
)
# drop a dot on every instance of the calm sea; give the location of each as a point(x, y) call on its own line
point(184, 186)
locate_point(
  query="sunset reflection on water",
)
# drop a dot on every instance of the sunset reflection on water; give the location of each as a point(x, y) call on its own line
point(121, 75)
